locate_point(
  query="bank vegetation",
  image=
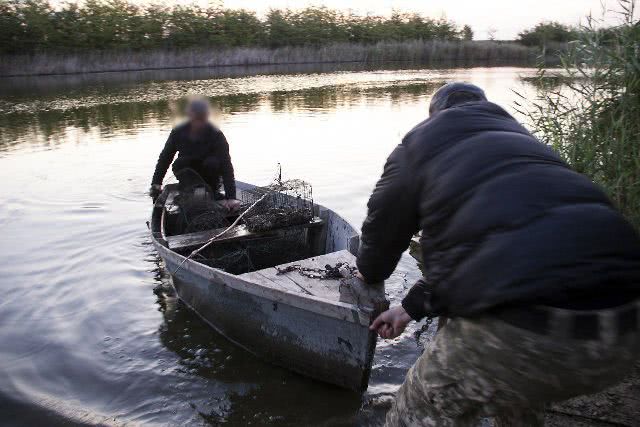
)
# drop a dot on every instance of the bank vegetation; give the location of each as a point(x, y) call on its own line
point(38, 37)
point(415, 51)
point(590, 113)
point(30, 26)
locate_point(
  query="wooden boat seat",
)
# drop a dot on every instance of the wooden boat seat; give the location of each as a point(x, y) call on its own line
point(293, 281)
point(238, 233)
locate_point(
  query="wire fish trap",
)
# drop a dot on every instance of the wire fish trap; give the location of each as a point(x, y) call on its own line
point(283, 207)
point(287, 203)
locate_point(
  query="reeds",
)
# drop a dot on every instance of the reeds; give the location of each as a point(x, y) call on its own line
point(592, 117)
point(417, 51)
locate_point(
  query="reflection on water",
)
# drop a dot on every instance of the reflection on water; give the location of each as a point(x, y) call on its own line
point(50, 124)
point(91, 332)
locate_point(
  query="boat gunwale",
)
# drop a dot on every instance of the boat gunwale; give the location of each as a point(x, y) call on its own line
point(319, 305)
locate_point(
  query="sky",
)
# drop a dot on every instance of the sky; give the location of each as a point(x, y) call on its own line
point(506, 17)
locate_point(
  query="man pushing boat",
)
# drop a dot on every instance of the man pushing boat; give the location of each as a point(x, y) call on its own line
point(201, 147)
point(537, 272)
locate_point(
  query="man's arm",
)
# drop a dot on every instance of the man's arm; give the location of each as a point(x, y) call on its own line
point(164, 160)
point(391, 221)
point(417, 301)
point(228, 178)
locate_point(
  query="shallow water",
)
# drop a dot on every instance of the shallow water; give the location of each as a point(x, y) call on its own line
point(90, 332)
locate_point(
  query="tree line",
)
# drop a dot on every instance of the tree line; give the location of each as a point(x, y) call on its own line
point(548, 32)
point(547, 35)
point(29, 26)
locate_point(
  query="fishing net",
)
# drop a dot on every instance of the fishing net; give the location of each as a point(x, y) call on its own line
point(200, 213)
point(273, 214)
point(279, 205)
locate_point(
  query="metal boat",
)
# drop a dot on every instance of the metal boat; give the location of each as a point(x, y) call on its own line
point(315, 326)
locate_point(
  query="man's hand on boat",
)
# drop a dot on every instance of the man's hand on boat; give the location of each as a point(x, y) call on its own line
point(391, 323)
point(155, 191)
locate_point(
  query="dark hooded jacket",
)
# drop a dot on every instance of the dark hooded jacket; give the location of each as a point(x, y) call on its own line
point(211, 143)
point(504, 221)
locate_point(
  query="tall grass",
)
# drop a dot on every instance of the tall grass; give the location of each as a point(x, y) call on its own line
point(419, 51)
point(593, 118)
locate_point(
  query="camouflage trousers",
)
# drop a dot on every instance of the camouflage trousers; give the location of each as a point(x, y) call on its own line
point(484, 367)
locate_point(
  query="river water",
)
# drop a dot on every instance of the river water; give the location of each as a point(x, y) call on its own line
point(90, 332)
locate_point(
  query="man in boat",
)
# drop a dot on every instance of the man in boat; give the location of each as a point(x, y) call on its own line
point(202, 147)
point(535, 270)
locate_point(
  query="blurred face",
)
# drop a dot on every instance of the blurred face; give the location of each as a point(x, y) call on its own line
point(198, 120)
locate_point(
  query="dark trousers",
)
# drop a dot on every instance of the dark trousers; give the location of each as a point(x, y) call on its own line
point(208, 168)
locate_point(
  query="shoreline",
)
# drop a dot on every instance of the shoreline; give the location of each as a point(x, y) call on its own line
point(382, 64)
point(415, 51)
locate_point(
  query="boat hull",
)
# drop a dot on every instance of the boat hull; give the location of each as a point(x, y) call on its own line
point(326, 341)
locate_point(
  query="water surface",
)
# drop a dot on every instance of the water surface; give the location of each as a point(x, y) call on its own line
point(90, 331)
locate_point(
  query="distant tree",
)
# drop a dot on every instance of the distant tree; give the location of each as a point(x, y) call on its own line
point(491, 33)
point(239, 28)
point(11, 30)
point(446, 30)
point(279, 30)
point(467, 33)
point(547, 32)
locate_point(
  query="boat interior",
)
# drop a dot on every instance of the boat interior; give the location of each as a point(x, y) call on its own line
point(288, 250)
